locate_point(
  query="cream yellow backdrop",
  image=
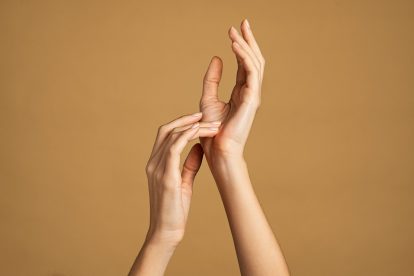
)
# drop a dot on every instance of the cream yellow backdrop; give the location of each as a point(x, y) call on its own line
point(85, 84)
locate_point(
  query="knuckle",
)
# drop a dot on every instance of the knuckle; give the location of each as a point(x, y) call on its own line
point(158, 176)
point(162, 129)
point(211, 79)
point(175, 133)
point(169, 137)
point(149, 169)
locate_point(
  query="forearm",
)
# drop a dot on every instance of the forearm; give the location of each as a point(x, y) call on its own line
point(152, 259)
point(257, 250)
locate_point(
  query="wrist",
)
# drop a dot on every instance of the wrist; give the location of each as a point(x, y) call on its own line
point(223, 154)
point(228, 168)
point(165, 241)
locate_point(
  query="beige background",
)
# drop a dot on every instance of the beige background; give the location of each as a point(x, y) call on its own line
point(84, 86)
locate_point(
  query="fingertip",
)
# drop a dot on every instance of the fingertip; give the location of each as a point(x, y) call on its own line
point(216, 59)
point(245, 24)
point(232, 31)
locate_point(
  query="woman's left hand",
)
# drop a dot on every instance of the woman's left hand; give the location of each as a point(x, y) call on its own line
point(170, 188)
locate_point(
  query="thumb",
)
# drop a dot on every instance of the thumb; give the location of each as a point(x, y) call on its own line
point(191, 166)
point(212, 79)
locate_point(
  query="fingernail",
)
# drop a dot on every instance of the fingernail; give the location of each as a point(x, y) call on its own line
point(235, 44)
point(214, 128)
point(216, 123)
point(195, 125)
point(198, 114)
point(247, 23)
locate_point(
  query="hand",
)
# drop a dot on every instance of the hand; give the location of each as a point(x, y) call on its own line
point(237, 115)
point(170, 188)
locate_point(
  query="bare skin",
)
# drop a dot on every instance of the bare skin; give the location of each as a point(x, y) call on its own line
point(223, 131)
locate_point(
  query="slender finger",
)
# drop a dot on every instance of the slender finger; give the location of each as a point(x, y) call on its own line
point(236, 37)
point(165, 129)
point(214, 124)
point(241, 72)
point(207, 132)
point(252, 74)
point(250, 39)
point(177, 145)
point(209, 129)
point(178, 140)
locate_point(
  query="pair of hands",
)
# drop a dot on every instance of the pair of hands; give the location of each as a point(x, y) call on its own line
point(222, 127)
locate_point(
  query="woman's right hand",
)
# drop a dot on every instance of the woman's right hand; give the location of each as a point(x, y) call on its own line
point(238, 113)
point(170, 188)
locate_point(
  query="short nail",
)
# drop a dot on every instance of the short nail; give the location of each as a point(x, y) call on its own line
point(214, 128)
point(198, 114)
point(247, 23)
point(216, 123)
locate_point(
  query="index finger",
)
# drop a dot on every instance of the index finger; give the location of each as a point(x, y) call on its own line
point(165, 129)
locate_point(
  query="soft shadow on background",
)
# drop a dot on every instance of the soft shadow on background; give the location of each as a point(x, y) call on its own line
point(85, 84)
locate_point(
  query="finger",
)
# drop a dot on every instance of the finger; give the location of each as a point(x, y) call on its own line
point(252, 74)
point(191, 166)
point(207, 132)
point(206, 129)
point(251, 41)
point(209, 129)
point(165, 129)
point(214, 124)
point(212, 79)
point(241, 72)
point(236, 37)
point(177, 145)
